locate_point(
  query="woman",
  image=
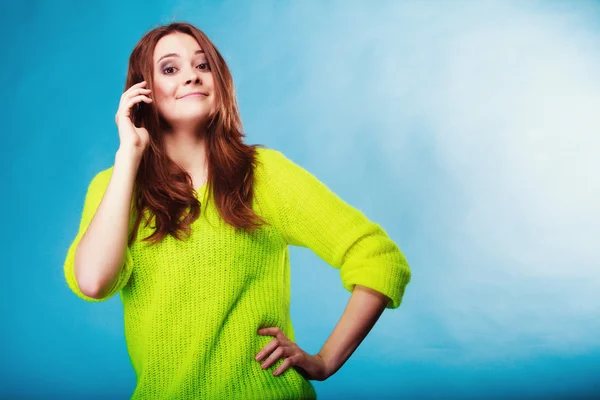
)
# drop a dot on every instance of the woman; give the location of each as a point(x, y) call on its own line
point(192, 226)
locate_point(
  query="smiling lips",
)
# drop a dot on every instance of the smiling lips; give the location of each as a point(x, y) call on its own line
point(194, 94)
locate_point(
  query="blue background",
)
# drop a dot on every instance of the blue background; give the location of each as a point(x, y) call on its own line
point(468, 130)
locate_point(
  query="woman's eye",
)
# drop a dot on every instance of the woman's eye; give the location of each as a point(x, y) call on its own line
point(204, 66)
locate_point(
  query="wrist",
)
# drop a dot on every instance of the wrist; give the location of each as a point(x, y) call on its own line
point(329, 367)
point(128, 154)
point(128, 161)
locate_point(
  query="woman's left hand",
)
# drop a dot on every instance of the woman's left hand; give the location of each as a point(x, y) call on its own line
point(309, 366)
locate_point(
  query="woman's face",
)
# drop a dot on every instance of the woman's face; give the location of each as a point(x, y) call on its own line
point(184, 70)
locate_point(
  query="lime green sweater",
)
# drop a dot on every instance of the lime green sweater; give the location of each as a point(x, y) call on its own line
point(192, 308)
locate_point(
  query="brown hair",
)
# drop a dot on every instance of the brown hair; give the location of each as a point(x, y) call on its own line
point(166, 189)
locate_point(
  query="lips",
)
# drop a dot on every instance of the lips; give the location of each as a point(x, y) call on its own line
point(194, 94)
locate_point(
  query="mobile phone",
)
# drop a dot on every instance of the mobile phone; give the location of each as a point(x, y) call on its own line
point(136, 113)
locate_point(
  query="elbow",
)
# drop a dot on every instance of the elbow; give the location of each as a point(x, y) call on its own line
point(91, 291)
point(85, 284)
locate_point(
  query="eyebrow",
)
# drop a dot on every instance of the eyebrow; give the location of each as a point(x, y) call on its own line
point(177, 55)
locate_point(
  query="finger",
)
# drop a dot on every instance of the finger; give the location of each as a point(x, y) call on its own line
point(133, 89)
point(134, 86)
point(126, 109)
point(283, 367)
point(274, 331)
point(276, 355)
point(139, 90)
point(132, 92)
point(272, 345)
point(137, 99)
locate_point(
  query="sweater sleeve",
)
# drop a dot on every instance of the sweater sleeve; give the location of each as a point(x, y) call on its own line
point(308, 214)
point(94, 195)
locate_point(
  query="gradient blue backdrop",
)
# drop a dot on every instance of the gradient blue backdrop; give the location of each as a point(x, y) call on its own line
point(467, 129)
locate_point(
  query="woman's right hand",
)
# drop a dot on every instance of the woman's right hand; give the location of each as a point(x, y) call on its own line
point(132, 137)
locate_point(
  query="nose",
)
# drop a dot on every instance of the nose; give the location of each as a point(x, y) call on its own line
point(193, 77)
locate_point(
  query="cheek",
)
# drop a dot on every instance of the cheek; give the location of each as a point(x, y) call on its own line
point(163, 96)
point(162, 89)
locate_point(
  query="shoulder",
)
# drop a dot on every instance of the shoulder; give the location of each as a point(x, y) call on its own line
point(103, 175)
point(269, 173)
point(283, 178)
point(267, 154)
point(272, 161)
point(273, 167)
point(100, 180)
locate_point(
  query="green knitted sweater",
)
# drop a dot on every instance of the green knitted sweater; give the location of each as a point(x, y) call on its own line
point(192, 308)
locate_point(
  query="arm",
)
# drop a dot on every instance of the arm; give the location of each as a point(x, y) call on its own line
point(363, 310)
point(372, 267)
point(98, 262)
point(308, 214)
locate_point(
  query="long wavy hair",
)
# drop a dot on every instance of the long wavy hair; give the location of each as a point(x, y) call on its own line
point(163, 187)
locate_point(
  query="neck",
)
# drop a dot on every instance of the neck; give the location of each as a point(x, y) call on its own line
point(187, 148)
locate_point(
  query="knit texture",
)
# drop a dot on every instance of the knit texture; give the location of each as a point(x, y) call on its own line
point(192, 308)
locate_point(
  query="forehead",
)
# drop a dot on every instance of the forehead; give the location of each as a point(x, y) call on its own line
point(180, 43)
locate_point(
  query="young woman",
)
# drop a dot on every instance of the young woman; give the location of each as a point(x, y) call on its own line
point(192, 226)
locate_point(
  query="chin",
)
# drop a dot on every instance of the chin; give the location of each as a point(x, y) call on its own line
point(191, 118)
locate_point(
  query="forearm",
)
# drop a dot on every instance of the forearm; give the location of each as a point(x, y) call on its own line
point(100, 252)
point(363, 310)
